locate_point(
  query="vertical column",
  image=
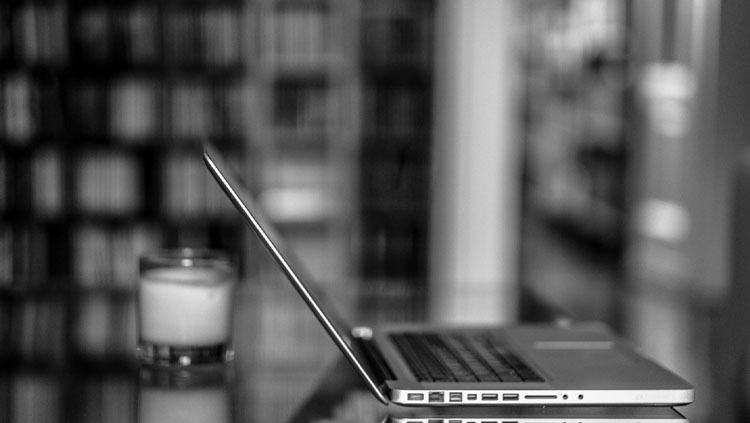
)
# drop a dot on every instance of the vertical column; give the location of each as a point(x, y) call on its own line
point(476, 179)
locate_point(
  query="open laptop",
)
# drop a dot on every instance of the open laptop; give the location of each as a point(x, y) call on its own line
point(578, 364)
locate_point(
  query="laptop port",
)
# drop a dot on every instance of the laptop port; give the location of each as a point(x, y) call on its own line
point(455, 397)
point(489, 397)
point(437, 397)
point(540, 397)
point(510, 397)
point(471, 397)
point(415, 397)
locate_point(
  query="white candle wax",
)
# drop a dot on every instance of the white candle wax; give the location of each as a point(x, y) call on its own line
point(185, 306)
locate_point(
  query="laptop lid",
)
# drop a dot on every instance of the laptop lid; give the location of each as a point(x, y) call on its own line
point(314, 298)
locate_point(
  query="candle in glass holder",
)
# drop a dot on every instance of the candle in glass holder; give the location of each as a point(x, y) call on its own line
point(185, 302)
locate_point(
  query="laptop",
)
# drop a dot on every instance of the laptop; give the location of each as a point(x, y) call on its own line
point(544, 364)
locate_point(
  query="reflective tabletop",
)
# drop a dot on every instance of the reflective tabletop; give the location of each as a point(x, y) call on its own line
point(70, 357)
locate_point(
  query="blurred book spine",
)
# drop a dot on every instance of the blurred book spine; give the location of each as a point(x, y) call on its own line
point(35, 398)
point(108, 182)
point(19, 107)
point(301, 34)
point(134, 110)
point(40, 33)
point(47, 177)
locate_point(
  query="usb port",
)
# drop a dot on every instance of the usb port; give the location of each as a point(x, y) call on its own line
point(471, 397)
point(437, 397)
point(415, 397)
point(510, 397)
point(455, 397)
point(489, 397)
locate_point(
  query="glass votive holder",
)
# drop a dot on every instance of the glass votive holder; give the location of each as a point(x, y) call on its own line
point(185, 307)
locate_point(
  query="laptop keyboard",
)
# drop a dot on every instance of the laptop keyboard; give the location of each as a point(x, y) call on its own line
point(456, 357)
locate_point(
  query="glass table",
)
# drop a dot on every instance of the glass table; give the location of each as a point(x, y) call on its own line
point(69, 357)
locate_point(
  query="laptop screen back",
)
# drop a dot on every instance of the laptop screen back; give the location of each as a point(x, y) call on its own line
point(335, 326)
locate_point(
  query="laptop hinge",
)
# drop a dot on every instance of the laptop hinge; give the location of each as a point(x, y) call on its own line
point(374, 358)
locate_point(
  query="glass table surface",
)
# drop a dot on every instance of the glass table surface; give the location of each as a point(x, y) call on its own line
point(70, 357)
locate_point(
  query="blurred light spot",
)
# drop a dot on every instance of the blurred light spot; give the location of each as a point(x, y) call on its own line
point(663, 220)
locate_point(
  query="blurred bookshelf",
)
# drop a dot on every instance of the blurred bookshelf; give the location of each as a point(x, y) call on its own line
point(322, 105)
point(397, 74)
point(103, 108)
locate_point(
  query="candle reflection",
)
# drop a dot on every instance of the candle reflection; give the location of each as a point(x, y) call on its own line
point(201, 394)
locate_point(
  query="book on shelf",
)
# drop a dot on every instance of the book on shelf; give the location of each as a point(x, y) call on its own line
point(104, 327)
point(182, 35)
point(397, 33)
point(38, 331)
point(89, 101)
point(107, 256)
point(206, 36)
point(91, 256)
point(198, 107)
point(19, 107)
point(305, 109)
point(47, 176)
point(6, 37)
point(91, 36)
point(25, 254)
point(30, 107)
point(191, 110)
point(221, 43)
point(300, 36)
point(134, 109)
point(399, 110)
point(4, 179)
point(36, 398)
point(396, 41)
point(108, 398)
point(393, 247)
point(394, 178)
point(137, 27)
point(108, 182)
point(127, 244)
point(39, 32)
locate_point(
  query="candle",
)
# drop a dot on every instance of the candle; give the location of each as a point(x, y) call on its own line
point(185, 306)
